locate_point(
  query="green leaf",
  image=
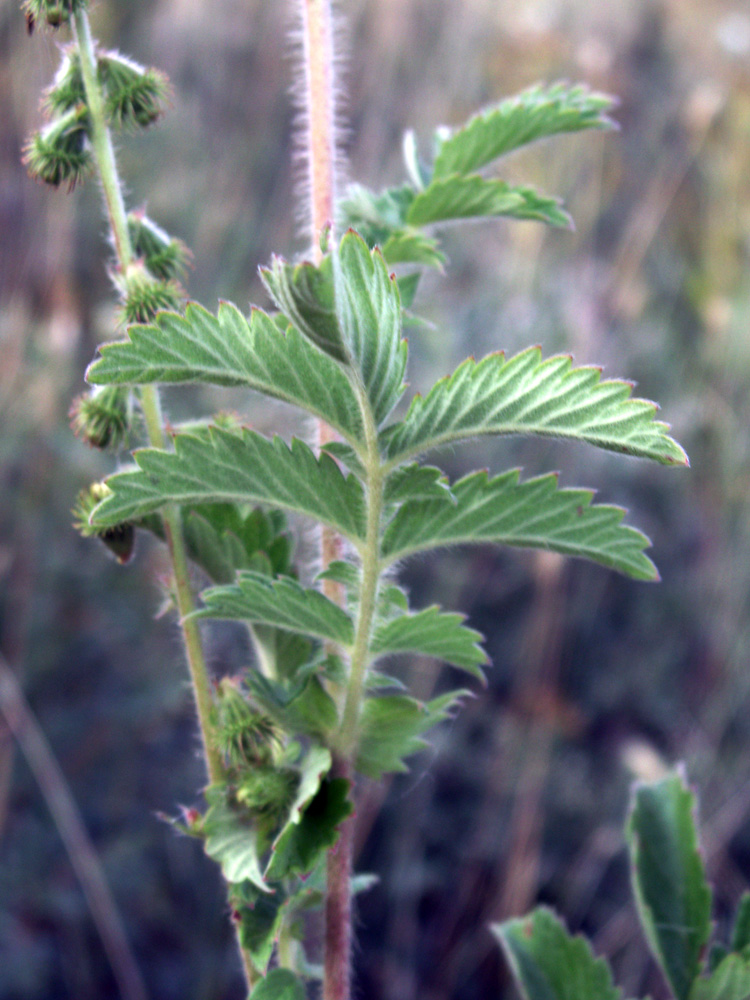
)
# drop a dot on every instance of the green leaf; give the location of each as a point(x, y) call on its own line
point(299, 706)
point(227, 349)
point(416, 482)
point(233, 843)
point(259, 916)
point(409, 246)
point(741, 929)
point(391, 727)
point(457, 197)
point(313, 768)
point(729, 981)
point(279, 984)
point(432, 632)
point(280, 602)
point(526, 395)
point(300, 846)
point(369, 312)
point(669, 881)
point(225, 466)
point(534, 114)
point(531, 514)
point(376, 216)
point(550, 964)
point(305, 294)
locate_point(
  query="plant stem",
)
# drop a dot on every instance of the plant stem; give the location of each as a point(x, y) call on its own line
point(101, 142)
point(320, 148)
point(320, 145)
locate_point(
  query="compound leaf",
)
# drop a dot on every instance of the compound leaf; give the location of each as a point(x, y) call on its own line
point(416, 482)
point(432, 632)
point(242, 467)
point(458, 197)
point(369, 312)
point(227, 349)
point(527, 395)
point(305, 294)
point(669, 880)
point(409, 246)
point(300, 845)
point(534, 114)
point(280, 602)
point(391, 727)
point(550, 964)
point(531, 514)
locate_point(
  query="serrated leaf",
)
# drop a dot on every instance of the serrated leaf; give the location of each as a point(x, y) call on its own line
point(299, 706)
point(741, 929)
point(375, 216)
point(391, 727)
point(528, 395)
point(305, 294)
point(432, 632)
point(416, 482)
point(259, 917)
point(222, 538)
point(280, 602)
point(669, 881)
point(410, 246)
point(300, 846)
point(457, 197)
point(279, 984)
point(729, 981)
point(550, 964)
point(531, 514)
point(344, 453)
point(369, 312)
point(227, 349)
point(534, 114)
point(233, 843)
point(245, 467)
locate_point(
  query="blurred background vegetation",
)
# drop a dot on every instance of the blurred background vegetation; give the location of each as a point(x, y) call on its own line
point(595, 678)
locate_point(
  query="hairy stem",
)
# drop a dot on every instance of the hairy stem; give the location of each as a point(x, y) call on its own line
point(101, 142)
point(320, 115)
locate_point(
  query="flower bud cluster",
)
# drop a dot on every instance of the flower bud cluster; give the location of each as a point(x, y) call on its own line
point(134, 97)
point(51, 12)
point(120, 540)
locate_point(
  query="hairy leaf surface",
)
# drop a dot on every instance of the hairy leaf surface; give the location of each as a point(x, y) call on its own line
point(409, 246)
point(236, 467)
point(369, 311)
point(527, 395)
point(531, 514)
point(391, 727)
point(458, 197)
point(535, 114)
point(432, 632)
point(550, 964)
point(669, 880)
point(280, 602)
point(305, 294)
point(227, 349)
